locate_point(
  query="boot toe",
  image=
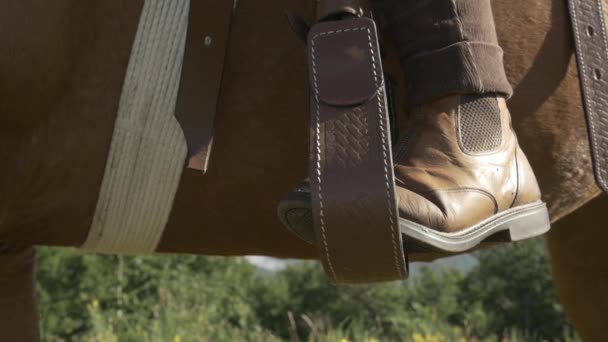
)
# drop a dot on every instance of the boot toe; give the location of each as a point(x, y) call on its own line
point(417, 208)
point(446, 211)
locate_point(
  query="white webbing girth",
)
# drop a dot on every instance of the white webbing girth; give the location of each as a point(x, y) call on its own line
point(148, 149)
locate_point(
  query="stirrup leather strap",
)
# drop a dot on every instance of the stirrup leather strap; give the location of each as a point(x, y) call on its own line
point(352, 181)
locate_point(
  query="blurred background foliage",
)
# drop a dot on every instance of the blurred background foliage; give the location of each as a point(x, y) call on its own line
point(507, 296)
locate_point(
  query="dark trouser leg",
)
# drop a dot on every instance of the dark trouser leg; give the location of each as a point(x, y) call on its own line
point(446, 47)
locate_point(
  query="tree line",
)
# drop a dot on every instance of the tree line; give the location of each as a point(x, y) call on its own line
point(508, 295)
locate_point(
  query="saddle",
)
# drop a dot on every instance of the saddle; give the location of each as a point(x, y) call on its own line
point(351, 128)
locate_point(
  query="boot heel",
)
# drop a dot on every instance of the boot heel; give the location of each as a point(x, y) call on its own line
point(534, 224)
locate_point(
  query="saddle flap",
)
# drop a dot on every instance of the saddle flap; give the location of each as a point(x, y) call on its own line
point(343, 62)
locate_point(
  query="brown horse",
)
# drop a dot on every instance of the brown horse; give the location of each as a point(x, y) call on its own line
point(62, 68)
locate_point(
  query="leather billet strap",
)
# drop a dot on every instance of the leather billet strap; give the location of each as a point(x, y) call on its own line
point(206, 43)
point(587, 19)
point(353, 191)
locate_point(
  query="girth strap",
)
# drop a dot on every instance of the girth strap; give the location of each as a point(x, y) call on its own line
point(352, 182)
point(148, 148)
point(588, 26)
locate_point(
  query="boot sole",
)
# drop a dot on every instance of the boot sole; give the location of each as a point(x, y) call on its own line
point(515, 224)
point(519, 223)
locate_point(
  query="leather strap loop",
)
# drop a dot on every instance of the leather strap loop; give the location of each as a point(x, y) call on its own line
point(344, 64)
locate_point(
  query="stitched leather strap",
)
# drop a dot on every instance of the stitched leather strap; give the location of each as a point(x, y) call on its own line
point(587, 19)
point(353, 195)
point(201, 78)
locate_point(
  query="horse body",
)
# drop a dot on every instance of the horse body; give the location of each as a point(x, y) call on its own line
point(546, 106)
point(60, 82)
point(62, 78)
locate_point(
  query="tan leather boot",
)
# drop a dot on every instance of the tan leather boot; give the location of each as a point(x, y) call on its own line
point(461, 176)
point(461, 180)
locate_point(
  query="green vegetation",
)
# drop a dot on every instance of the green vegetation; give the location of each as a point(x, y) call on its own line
point(507, 297)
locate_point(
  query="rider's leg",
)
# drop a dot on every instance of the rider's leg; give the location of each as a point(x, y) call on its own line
point(460, 174)
point(446, 47)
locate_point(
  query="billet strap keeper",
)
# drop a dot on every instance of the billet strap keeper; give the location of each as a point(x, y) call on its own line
point(591, 45)
point(352, 181)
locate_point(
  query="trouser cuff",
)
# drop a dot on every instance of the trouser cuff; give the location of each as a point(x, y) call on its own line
point(462, 68)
